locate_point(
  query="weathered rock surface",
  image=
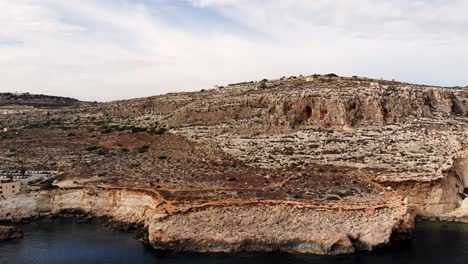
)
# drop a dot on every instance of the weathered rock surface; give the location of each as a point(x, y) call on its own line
point(9, 232)
point(231, 228)
point(323, 165)
point(277, 228)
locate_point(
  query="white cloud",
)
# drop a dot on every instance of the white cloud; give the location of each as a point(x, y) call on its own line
point(120, 49)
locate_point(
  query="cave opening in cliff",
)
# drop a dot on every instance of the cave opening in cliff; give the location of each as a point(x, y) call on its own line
point(307, 113)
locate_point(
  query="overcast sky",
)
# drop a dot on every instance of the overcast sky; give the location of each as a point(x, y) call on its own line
point(114, 49)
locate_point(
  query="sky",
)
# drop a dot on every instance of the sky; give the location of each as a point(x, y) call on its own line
point(102, 50)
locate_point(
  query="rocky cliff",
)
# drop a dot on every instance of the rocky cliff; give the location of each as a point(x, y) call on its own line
point(249, 226)
point(323, 165)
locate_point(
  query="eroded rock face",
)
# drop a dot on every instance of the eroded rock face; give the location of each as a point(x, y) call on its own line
point(273, 228)
point(122, 205)
point(9, 232)
point(229, 228)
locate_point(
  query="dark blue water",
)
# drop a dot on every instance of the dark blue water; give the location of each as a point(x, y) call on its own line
point(66, 241)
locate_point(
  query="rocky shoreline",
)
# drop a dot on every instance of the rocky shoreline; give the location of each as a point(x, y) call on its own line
point(231, 229)
point(254, 227)
point(9, 233)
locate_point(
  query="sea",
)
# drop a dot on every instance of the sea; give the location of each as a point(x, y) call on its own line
point(68, 241)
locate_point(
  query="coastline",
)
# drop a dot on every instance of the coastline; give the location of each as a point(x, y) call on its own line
point(193, 229)
point(333, 238)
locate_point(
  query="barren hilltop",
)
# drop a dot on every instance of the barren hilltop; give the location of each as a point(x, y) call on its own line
point(317, 164)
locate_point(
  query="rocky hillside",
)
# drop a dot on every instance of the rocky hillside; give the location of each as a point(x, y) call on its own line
point(299, 164)
point(33, 100)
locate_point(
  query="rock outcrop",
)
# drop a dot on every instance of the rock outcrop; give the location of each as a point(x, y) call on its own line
point(231, 228)
point(9, 232)
point(278, 228)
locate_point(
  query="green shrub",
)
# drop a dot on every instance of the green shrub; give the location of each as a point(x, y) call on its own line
point(135, 165)
point(331, 75)
point(143, 148)
point(133, 129)
point(138, 129)
point(106, 130)
point(158, 131)
point(101, 152)
point(92, 148)
point(112, 128)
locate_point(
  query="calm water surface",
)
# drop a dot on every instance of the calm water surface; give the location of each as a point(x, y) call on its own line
point(66, 241)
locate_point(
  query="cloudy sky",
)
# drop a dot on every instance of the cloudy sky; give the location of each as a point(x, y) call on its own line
point(113, 49)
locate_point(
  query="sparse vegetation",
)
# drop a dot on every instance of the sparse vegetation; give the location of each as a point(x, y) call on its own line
point(158, 131)
point(135, 165)
point(331, 75)
point(132, 129)
point(143, 148)
point(102, 151)
point(92, 148)
point(136, 129)
point(106, 130)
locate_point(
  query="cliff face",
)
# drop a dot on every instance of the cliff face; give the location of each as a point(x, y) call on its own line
point(323, 102)
point(271, 228)
point(323, 165)
point(236, 228)
point(122, 205)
